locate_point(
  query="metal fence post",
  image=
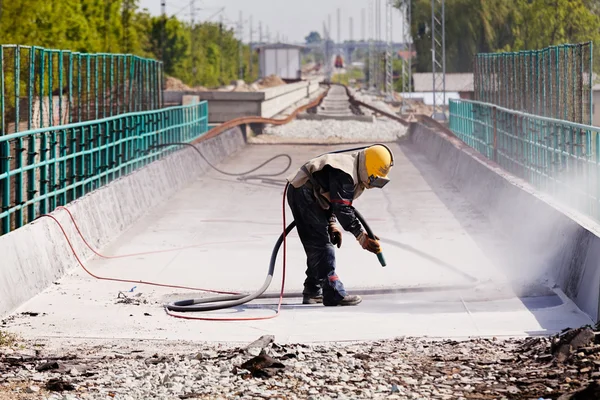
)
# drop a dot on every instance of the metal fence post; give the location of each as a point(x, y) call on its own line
point(495, 120)
point(5, 185)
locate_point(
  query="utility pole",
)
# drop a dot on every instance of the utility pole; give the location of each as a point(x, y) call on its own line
point(389, 67)
point(241, 47)
point(260, 36)
point(351, 29)
point(438, 58)
point(406, 62)
point(371, 48)
point(192, 40)
point(377, 46)
point(327, 53)
point(250, 46)
point(163, 33)
point(362, 24)
point(221, 26)
point(339, 26)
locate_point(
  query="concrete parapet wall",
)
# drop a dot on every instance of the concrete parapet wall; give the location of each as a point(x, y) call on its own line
point(279, 98)
point(225, 106)
point(33, 256)
point(566, 243)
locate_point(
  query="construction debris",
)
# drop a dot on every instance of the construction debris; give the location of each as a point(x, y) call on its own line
point(270, 81)
point(403, 368)
point(175, 84)
point(261, 366)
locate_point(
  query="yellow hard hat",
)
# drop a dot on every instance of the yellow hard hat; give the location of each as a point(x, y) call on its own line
point(379, 159)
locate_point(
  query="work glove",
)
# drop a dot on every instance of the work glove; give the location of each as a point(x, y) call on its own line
point(367, 243)
point(335, 234)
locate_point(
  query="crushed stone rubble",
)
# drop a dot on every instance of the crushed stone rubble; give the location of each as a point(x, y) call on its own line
point(564, 366)
point(332, 130)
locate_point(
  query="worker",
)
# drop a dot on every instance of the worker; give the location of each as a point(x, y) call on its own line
point(321, 192)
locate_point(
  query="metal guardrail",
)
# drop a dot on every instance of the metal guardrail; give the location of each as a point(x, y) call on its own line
point(44, 168)
point(559, 157)
point(45, 87)
point(554, 82)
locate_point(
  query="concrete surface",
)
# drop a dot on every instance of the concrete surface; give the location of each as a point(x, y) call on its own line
point(547, 239)
point(450, 271)
point(37, 254)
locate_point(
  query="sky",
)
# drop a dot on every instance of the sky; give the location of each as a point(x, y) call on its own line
point(293, 20)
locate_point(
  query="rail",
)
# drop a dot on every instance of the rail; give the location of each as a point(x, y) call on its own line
point(43, 168)
point(559, 157)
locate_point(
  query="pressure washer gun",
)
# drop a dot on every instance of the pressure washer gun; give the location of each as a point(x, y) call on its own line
point(371, 235)
point(381, 258)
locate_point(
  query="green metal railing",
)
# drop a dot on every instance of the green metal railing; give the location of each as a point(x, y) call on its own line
point(555, 82)
point(45, 87)
point(44, 168)
point(559, 157)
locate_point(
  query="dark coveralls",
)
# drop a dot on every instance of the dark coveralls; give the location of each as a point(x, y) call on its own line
point(312, 223)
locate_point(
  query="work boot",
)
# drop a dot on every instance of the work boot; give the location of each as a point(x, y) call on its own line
point(349, 300)
point(312, 299)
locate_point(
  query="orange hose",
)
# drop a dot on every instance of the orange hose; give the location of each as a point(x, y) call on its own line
point(217, 130)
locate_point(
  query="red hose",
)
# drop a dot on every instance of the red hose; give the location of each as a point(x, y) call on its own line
point(80, 262)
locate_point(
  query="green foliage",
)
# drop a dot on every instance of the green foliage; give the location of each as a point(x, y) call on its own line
point(398, 76)
point(482, 26)
point(355, 74)
point(206, 55)
point(313, 37)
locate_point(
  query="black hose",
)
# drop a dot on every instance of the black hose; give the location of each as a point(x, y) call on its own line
point(233, 300)
point(227, 301)
point(244, 175)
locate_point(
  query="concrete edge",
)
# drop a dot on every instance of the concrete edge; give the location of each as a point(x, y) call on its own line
point(567, 242)
point(37, 254)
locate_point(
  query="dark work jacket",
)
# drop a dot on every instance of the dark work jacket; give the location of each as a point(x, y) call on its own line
point(341, 191)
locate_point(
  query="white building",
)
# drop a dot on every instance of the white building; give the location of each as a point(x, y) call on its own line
point(280, 59)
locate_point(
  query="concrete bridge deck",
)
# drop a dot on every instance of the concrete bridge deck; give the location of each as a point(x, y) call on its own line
point(454, 273)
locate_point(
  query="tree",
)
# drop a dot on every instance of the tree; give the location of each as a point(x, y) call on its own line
point(542, 23)
point(482, 26)
point(313, 37)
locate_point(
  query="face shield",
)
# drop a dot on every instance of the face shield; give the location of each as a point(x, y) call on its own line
point(377, 182)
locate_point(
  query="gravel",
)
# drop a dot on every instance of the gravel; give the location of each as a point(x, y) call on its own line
point(332, 131)
point(404, 368)
point(373, 101)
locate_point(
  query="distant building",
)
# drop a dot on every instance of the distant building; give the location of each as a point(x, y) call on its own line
point(280, 59)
